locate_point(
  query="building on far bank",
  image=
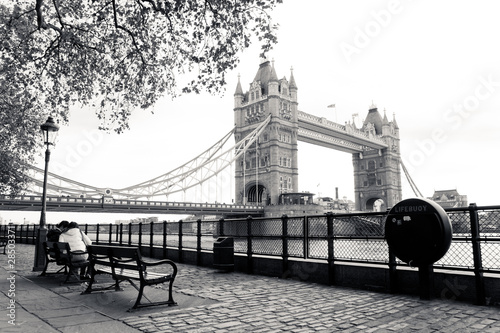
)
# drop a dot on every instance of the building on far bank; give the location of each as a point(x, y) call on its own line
point(449, 198)
point(138, 220)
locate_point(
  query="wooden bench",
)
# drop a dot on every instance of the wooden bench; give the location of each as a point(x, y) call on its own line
point(126, 264)
point(60, 253)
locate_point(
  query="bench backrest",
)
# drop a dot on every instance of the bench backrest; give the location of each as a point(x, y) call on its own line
point(60, 251)
point(120, 257)
point(56, 251)
point(50, 249)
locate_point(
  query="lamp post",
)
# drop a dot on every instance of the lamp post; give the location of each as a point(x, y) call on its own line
point(49, 131)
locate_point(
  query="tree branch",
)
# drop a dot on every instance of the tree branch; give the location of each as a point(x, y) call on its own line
point(117, 26)
point(56, 7)
point(39, 15)
point(158, 10)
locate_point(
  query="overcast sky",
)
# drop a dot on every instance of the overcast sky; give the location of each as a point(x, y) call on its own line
point(434, 64)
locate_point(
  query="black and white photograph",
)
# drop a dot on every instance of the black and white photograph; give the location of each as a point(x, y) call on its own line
point(249, 166)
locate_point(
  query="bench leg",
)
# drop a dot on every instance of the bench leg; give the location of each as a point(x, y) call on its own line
point(140, 289)
point(91, 282)
point(70, 273)
point(77, 273)
point(138, 301)
point(170, 297)
point(44, 272)
point(115, 285)
point(45, 268)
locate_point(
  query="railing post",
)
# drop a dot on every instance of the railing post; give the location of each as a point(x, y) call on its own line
point(140, 235)
point(118, 233)
point(249, 245)
point(284, 240)
point(164, 239)
point(33, 235)
point(476, 252)
point(129, 233)
point(27, 238)
point(198, 242)
point(331, 254)
point(97, 233)
point(305, 231)
point(121, 234)
point(151, 233)
point(221, 227)
point(110, 233)
point(180, 241)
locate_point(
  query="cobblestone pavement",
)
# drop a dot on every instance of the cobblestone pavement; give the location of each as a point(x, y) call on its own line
point(213, 301)
point(249, 303)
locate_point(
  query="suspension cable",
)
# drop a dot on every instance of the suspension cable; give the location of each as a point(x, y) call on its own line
point(411, 182)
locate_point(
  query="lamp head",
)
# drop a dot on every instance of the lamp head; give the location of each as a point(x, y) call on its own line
point(49, 131)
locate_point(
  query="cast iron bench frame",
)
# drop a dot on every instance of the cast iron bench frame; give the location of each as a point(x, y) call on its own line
point(126, 264)
point(61, 254)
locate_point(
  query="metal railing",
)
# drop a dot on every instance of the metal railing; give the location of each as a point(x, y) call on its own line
point(354, 238)
point(339, 237)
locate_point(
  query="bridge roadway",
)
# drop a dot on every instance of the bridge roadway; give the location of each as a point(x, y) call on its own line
point(110, 205)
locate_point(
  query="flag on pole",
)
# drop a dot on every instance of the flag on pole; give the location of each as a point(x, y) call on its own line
point(331, 106)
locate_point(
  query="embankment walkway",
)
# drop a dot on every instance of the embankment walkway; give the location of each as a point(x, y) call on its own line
point(212, 301)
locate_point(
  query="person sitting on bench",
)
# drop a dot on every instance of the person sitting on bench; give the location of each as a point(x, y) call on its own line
point(77, 241)
point(53, 234)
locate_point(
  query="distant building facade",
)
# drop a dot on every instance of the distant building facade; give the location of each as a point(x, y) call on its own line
point(449, 198)
point(138, 220)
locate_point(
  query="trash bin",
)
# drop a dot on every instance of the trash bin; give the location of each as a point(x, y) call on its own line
point(224, 253)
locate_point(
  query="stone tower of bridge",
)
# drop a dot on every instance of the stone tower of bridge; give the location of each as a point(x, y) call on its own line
point(269, 167)
point(377, 172)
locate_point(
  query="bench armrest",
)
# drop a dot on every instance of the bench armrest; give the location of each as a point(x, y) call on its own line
point(78, 252)
point(161, 262)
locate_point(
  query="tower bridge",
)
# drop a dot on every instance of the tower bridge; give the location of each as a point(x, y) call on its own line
point(270, 168)
point(264, 158)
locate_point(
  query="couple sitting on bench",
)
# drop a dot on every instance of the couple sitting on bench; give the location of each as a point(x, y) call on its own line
point(73, 249)
point(70, 233)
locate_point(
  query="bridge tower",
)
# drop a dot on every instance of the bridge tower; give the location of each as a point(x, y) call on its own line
point(377, 172)
point(269, 167)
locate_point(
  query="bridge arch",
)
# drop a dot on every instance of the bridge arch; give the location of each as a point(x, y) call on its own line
point(376, 204)
point(256, 194)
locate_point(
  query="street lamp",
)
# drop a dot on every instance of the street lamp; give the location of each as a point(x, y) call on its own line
point(49, 131)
